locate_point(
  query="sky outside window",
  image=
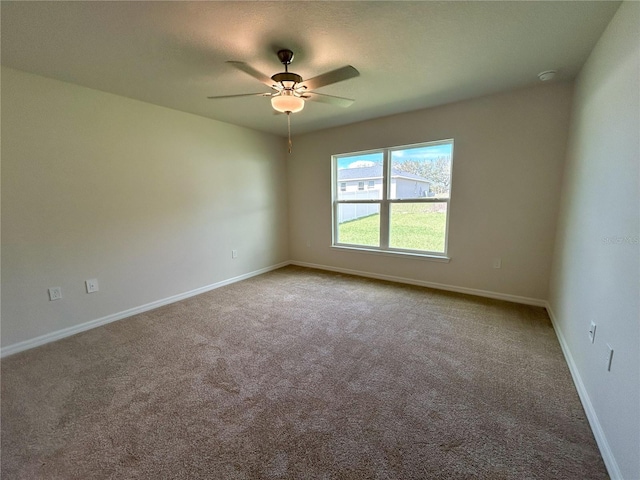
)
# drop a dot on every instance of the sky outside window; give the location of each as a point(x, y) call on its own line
point(431, 152)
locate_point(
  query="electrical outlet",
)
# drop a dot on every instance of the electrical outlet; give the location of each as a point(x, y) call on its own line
point(234, 253)
point(308, 243)
point(592, 332)
point(497, 263)
point(55, 293)
point(92, 285)
point(609, 358)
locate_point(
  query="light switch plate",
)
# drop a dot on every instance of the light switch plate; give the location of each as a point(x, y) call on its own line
point(92, 285)
point(592, 332)
point(609, 357)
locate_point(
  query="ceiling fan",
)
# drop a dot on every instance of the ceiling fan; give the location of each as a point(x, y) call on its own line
point(289, 89)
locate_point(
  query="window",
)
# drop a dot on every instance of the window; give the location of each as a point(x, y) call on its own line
point(409, 213)
point(343, 186)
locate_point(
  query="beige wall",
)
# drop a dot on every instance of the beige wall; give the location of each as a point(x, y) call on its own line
point(508, 156)
point(148, 200)
point(596, 270)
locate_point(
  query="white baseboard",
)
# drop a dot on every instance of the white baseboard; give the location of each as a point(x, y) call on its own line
point(440, 286)
point(592, 417)
point(67, 332)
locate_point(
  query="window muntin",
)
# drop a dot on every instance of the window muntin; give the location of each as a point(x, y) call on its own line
point(406, 210)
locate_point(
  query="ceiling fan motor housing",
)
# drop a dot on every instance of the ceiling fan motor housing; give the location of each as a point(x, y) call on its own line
point(286, 77)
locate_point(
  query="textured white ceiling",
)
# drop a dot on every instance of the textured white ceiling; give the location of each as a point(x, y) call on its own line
point(410, 55)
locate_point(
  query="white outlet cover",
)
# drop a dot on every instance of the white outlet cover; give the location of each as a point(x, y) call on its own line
point(55, 293)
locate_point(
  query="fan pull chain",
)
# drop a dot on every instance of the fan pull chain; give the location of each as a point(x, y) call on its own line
point(289, 129)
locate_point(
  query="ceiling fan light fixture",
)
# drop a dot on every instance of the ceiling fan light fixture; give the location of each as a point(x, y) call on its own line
point(286, 102)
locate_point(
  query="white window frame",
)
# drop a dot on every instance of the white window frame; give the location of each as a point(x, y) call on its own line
point(385, 205)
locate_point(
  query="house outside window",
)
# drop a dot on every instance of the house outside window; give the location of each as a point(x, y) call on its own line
point(408, 213)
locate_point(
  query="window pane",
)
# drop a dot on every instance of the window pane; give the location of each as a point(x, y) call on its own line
point(418, 226)
point(421, 172)
point(356, 171)
point(359, 224)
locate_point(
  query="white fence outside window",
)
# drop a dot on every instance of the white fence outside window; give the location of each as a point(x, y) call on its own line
point(352, 211)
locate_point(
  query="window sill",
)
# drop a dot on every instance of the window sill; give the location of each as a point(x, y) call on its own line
point(395, 253)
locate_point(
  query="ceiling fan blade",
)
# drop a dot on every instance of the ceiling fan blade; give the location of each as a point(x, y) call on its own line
point(334, 76)
point(241, 95)
point(331, 99)
point(261, 77)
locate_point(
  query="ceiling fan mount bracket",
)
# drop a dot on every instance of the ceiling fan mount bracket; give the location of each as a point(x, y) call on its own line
point(285, 56)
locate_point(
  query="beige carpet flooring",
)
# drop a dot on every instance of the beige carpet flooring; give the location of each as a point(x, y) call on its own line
point(302, 374)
